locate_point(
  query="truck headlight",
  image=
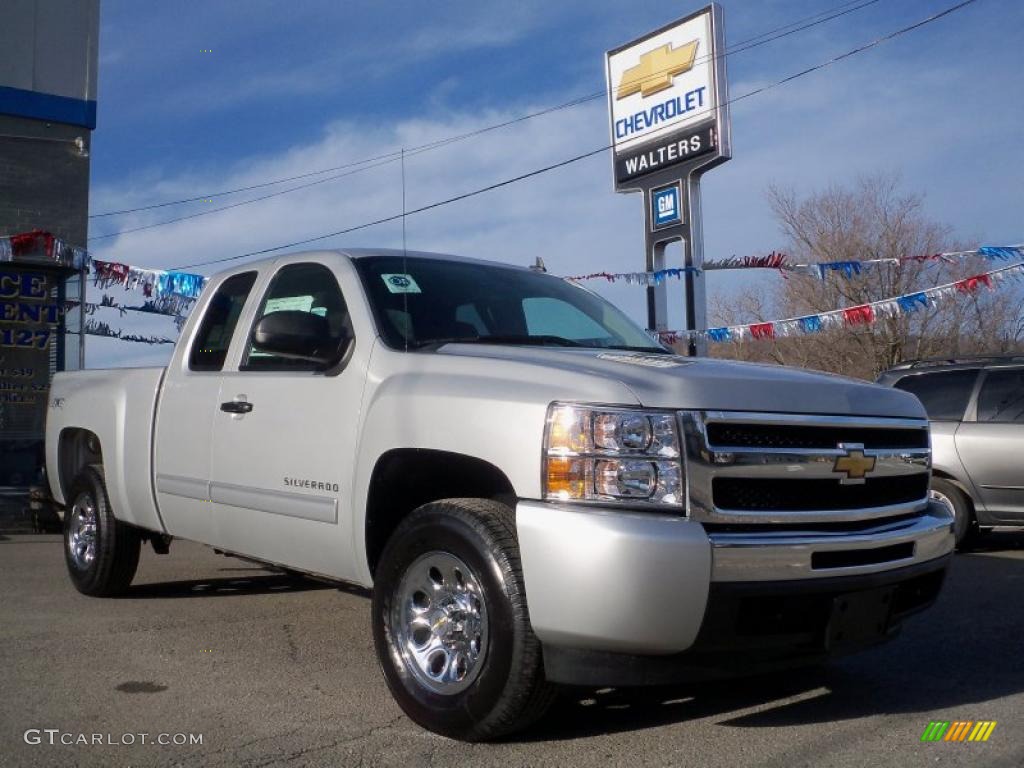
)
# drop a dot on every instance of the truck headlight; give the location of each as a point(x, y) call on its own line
point(612, 455)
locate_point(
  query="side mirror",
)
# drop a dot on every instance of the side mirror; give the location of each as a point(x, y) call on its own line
point(298, 335)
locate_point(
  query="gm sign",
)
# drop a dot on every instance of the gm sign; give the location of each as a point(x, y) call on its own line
point(665, 207)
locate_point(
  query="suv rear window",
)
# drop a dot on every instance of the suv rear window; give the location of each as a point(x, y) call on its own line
point(944, 394)
point(1002, 396)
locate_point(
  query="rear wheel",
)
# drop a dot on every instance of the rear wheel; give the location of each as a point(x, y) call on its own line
point(101, 552)
point(965, 527)
point(450, 622)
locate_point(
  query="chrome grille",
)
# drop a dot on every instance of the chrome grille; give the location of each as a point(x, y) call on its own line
point(754, 468)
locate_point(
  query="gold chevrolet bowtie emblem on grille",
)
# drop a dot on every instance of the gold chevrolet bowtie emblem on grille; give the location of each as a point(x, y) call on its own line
point(854, 464)
point(656, 69)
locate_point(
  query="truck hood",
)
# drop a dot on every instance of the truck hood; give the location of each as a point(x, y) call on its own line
point(671, 381)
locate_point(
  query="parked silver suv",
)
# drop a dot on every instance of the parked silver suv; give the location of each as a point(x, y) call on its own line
point(976, 408)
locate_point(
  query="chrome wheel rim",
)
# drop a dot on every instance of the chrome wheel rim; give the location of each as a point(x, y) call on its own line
point(945, 501)
point(82, 531)
point(440, 622)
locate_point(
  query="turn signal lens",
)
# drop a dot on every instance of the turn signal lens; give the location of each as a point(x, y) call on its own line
point(566, 478)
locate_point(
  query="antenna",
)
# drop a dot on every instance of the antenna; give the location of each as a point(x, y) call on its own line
point(405, 259)
point(404, 255)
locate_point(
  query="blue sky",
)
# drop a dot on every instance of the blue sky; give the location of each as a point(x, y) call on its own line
point(289, 88)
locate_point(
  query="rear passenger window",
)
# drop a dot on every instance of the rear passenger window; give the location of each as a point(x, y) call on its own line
point(1002, 397)
point(944, 394)
point(210, 347)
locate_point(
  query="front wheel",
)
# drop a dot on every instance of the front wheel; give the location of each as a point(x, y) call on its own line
point(450, 622)
point(102, 553)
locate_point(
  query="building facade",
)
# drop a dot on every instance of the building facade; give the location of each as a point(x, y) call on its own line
point(48, 71)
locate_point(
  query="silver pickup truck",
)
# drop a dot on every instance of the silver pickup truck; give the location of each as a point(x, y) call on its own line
point(536, 491)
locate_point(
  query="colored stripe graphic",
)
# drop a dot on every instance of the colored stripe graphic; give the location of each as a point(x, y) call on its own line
point(958, 730)
point(982, 730)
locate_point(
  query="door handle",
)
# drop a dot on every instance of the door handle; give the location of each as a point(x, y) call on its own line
point(236, 406)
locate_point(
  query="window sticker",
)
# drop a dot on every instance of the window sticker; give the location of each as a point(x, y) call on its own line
point(398, 283)
point(293, 303)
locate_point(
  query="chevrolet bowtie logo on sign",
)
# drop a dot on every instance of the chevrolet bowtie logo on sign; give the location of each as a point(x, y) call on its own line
point(958, 730)
point(657, 69)
point(854, 464)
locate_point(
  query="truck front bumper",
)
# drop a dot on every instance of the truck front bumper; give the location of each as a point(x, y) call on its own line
point(609, 585)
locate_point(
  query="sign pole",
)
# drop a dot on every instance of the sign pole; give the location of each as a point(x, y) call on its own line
point(693, 279)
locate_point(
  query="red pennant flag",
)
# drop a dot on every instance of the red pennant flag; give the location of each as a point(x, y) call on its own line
point(971, 284)
point(863, 314)
point(32, 243)
point(763, 330)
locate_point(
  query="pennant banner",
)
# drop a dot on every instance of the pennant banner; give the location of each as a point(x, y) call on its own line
point(151, 307)
point(97, 328)
point(41, 245)
point(821, 269)
point(863, 314)
point(155, 283)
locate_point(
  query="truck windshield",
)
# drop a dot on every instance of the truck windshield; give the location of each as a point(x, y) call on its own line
point(421, 303)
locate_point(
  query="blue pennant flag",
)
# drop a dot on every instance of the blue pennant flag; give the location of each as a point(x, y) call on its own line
point(719, 334)
point(848, 268)
point(810, 323)
point(997, 252)
point(181, 283)
point(909, 302)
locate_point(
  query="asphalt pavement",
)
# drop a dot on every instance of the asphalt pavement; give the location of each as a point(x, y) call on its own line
point(271, 671)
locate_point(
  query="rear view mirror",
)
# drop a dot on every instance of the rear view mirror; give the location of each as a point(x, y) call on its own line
point(298, 335)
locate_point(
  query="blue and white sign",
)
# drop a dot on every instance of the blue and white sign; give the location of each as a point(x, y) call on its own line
point(668, 99)
point(665, 207)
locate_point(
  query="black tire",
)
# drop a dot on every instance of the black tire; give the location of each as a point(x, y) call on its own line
point(115, 545)
point(965, 527)
point(509, 691)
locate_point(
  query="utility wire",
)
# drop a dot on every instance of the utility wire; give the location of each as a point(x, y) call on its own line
point(211, 211)
point(577, 158)
point(390, 157)
point(395, 217)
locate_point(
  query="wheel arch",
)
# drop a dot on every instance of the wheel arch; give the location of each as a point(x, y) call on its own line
point(77, 448)
point(406, 478)
point(962, 487)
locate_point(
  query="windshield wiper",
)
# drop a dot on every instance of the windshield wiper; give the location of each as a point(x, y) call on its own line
point(540, 340)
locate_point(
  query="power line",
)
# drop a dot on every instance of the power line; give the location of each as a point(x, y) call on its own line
point(395, 217)
point(577, 158)
point(390, 157)
point(239, 204)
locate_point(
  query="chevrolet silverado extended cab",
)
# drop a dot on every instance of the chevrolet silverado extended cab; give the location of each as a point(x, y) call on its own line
point(537, 492)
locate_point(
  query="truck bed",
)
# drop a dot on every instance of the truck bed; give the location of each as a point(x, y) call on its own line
point(116, 405)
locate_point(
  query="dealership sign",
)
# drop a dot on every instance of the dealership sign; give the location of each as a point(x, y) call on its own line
point(668, 107)
point(667, 97)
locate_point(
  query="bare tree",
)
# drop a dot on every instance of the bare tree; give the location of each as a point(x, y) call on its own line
point(872, 219)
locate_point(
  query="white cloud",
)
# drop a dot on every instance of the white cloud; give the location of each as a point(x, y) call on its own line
point(882, 114)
